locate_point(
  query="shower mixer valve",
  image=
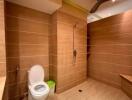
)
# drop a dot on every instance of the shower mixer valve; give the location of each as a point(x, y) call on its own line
point(74, 56)
point(74, 53)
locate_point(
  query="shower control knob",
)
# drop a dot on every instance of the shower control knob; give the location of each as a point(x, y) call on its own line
point(74, 53)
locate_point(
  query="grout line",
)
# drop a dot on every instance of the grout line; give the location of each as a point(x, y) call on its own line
point(19, 44)
point(30, 56)
point(4, 62)
point(79, 62)
point(35, 33)
point(107, 26)
point(69, 53)
point(110, 54)
point(35, 21)
point(110, 63)
point(99, 37)
point(25, 69)
point(128, 44)
point(10, 84)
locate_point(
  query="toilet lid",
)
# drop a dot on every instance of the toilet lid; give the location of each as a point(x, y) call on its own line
point(36, 74)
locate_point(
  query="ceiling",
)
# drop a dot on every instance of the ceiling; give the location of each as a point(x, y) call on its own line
point(48, 6)
point(109, 9)
point(87, 4)
point(105, 10)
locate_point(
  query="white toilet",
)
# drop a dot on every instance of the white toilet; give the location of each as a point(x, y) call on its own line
point(38, 89)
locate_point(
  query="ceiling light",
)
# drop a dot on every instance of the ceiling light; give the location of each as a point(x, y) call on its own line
point(113, 0)
point(109, 14)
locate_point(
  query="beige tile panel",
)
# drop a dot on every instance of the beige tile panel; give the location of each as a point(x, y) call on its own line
point(26, 50)
point(22, 76)
point(5, 95)
point(27, 44)
point(68, 49)
point(104, 41)
point(112, 58)
point(12, 63)
point(70, 85)
point(2, 36)
point(73, 12)
point(114, 49)
point(116, 20)
point(26, 62)
point(1, 8)
point(111, 34)
point(12, 50)
point(2, 52)
point(82, 32)
point(26, 13)
point(62, 67)
point(30, 50)
point(127, 87)
point(71, 70)
point(81, 49)
point(64, 29)
point(3, 69)
point(64, 59)
point(65, 49)
point(25, 25)
point(53, 60)
point(112, 79)
point(81, 29)
point(2, 28)
point(113, 40)
point(66, 18)
point(17, 89)
point(81, 57)
point(111, 67)
point(68, 59)
point(18, 37)
point(53, 72)
point(122, 27)
point(12, 77)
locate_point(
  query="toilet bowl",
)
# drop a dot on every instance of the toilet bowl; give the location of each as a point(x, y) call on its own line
point(37, 88)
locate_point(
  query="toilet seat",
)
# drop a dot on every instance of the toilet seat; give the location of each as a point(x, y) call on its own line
point(40, 91)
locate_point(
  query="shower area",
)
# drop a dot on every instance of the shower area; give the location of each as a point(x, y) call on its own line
point(69, 50)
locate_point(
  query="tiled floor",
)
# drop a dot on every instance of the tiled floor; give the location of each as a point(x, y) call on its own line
point(91, 90)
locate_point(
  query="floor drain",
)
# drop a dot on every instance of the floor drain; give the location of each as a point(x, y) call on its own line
point(80, 90)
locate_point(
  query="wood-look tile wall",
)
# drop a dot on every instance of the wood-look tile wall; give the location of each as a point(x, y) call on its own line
point(2, 41)
point(27, 37)
point(53, 48)
point(110, 48)
point(68, 73)
point(64, 71)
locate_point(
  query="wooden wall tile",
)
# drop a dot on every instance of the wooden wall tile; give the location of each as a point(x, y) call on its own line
point(27, 37)
point(110, 48)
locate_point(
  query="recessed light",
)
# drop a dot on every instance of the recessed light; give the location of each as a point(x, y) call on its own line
point(109, 14)
point(113, 0)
